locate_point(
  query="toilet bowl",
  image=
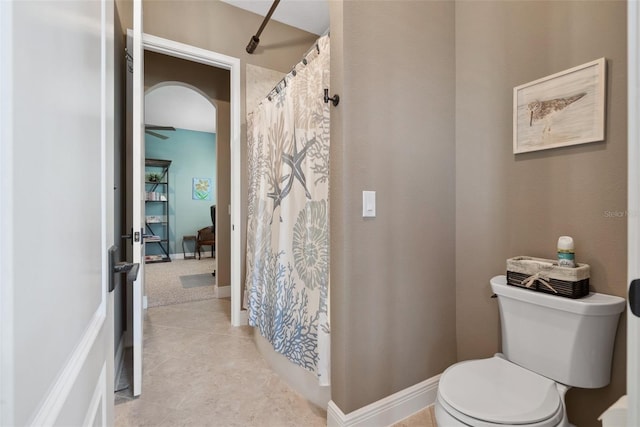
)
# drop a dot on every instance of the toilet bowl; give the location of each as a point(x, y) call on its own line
point(549, 344)
point(495, 392)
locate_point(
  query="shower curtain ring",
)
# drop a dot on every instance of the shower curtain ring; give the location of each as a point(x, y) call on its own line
point(334, 100)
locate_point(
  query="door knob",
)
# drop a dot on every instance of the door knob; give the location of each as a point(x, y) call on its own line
point(134, 236)
point(127, 267)
point(120, 267)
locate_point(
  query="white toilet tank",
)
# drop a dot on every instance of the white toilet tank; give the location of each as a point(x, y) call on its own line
point(567, 340)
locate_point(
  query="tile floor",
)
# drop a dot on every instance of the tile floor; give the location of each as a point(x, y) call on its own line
point(200, 371)
point(424, 418)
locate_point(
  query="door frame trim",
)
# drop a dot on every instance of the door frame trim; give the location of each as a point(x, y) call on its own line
point(6, 216)
point(195, 54)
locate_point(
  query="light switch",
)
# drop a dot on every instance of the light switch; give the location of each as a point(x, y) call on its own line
point(368, 204)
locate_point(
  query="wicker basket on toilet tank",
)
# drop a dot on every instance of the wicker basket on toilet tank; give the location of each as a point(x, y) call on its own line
point(545, 275)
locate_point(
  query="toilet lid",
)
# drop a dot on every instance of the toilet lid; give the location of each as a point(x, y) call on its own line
point(498, 391)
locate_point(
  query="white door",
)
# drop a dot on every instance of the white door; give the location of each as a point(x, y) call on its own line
point(633, 321)
point(56, 212)
point(135, 164)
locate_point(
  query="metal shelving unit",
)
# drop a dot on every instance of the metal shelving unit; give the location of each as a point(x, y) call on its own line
point(157, 237)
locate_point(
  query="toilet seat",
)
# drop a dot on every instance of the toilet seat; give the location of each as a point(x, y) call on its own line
point(496, 392)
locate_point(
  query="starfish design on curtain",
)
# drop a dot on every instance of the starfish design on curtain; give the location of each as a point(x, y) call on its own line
point(278, 195)
point(294, 161)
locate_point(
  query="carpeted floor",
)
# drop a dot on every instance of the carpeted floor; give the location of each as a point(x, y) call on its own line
point(179, 281)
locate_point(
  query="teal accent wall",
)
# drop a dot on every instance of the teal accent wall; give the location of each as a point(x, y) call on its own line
point(192, 155)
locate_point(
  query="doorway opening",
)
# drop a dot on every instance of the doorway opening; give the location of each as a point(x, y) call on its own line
point(231, 67)
point(181, 128)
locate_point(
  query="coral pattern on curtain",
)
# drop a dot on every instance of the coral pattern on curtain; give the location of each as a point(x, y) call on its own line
point(287, 284)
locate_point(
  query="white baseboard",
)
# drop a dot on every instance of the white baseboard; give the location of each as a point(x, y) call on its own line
point(389, 410)
point(119, 361)
point(223, 291)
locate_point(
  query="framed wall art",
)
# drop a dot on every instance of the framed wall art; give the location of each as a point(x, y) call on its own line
point(566, 108)
point(201, 189)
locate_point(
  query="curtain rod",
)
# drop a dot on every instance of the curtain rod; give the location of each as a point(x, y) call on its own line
point(253, 42)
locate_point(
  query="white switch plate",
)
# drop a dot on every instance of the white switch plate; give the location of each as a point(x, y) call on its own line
point(368, 204)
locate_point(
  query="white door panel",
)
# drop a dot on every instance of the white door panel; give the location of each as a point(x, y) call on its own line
point(138, 191)
point(56, 122)
point(633, 322)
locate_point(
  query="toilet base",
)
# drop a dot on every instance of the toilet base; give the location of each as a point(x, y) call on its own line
point(445, 419)
point(450, 416)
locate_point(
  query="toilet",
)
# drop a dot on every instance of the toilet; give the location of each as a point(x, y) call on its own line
point(549, 344)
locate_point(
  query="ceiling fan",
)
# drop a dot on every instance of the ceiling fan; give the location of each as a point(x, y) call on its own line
point(149, 129)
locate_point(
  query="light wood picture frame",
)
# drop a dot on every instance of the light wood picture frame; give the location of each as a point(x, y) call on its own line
point(566, 108)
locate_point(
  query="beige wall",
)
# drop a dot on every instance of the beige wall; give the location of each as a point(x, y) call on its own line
point(124, 10)
point(225, 29)
point(159, 68)
point(260, 82)
point(392, 277)
point(509, 205)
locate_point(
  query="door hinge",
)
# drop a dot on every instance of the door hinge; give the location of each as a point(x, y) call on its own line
point(112, 262)
point(129, 59)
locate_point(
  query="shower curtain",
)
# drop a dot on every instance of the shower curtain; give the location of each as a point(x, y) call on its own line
point(287, 283)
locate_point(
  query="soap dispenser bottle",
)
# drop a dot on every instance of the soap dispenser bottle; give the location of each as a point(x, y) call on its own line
point(566, 252)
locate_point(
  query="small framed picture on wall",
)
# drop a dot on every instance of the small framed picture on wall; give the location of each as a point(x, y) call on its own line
point(201, 189)
point(566, 108)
